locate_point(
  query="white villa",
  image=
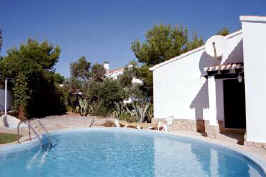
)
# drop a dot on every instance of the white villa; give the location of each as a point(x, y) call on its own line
point(115, 73)
point(207, 94)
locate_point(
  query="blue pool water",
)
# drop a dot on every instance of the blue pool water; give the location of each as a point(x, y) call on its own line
point(124, 153)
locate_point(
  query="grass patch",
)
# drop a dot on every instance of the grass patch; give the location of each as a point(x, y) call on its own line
point(7, 138)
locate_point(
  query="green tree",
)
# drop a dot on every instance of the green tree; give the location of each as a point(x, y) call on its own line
point(145, 75)
point(97, 72)
point(31, 67)
point(105, 94)
point(84, 77)
point(224, 31)
point(71, 87)
point(195, 43)
point(126, 78)
point(1, 40)
point(20, 93)
point(80, 69)
point(162, 43)
point(58, 78)
point(30, 58)
point(130, 71)
point(73, 84)
point(108, 92)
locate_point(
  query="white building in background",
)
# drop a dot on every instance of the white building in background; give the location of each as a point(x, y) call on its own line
point(203, 93)
point(115, 73)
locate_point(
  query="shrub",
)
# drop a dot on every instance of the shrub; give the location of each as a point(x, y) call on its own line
point(101, 110)
point(127, 117)
point(138, 111)
point(69, 109)
point(124, 112)
point(105, 95)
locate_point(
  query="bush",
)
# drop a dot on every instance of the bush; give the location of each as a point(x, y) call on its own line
point(105, 94)
point(101, 110)
point(69, 109)
point(124, 112)
point(45, 98)
point(127, 117)
point(138, 111)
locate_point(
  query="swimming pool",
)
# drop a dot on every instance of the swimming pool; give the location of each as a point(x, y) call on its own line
point(114, 152)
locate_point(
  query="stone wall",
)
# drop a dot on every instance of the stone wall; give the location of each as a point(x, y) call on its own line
point(254, 144)
point(201, 126)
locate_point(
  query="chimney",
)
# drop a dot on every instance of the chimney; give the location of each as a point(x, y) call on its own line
point(254, 50)
point(106, 66)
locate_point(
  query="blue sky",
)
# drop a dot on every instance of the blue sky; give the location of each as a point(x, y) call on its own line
point(103, 29)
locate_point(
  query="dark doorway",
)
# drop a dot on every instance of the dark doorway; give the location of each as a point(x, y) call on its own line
point(234, 104)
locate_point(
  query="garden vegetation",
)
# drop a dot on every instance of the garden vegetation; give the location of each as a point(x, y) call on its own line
point(39, 91)
point(32, 79)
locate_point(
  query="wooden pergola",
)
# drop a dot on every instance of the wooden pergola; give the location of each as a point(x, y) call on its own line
point(232, 70)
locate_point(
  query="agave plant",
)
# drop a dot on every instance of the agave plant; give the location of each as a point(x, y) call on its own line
point(141, 110)
point(77, 109)
point(119, 109)
point(150, 113)
point(83, 104)
point(133, 112)
point(92, 107)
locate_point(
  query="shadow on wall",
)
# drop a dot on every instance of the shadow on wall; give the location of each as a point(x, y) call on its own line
point(207, 61)
point(236, 56)
point(199, 103)
point(201, 100)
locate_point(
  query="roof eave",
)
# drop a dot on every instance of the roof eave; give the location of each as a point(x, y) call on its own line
point(177, 58)
point(229, 36)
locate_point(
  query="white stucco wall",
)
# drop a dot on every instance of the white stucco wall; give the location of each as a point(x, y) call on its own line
point(180, 91)
point(176, 86)
point(254, 37)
